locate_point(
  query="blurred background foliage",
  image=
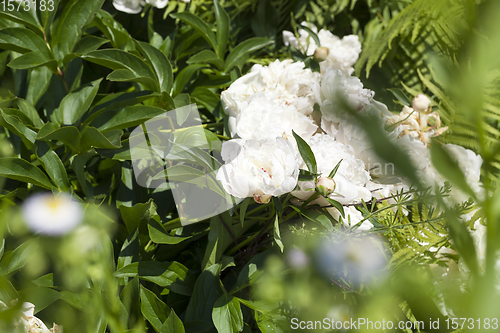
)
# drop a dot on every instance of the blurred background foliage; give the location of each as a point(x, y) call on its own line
point(76, 81)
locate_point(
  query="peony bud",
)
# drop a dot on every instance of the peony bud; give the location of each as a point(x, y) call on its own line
point(325, 186)
point(262, 199)
point(321, 53)
point(420, 103)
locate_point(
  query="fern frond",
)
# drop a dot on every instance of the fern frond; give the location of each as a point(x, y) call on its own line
point(439, 22)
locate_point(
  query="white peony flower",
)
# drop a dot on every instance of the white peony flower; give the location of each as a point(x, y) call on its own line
point(467, 161)
point(266, 119)
point(30, 323)
point(350, 178)
point(342, 53)
point(52, 214)
point(158, 3)
point(285, 82)
point(135, 6)
point(258, 169)
point(470, 164)
point(337, 89)
point(129, 6)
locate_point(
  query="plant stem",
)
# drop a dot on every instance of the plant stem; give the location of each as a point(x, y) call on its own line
point(213, 125)
point(172, 224)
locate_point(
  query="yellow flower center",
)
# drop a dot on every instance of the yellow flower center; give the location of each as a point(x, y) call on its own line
point(54, 204)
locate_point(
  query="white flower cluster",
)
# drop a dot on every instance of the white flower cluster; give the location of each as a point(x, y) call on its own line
point(30, 323)
point(135, 6)
point(271, 102)
point(342, 53)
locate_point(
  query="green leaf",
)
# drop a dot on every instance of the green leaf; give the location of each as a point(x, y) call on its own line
point(270, 323)
point(203, 28)
point(30, 111)
point(207, 57)
point(120, 154)
point(113, 30)
point(277, 236)
point(159, 235)
point(265, 20)
point(184, 76)
point(316, 217)
point(23, 16)
point(124, 75)
point(20, 115)
point(153, 309)
point(15, 260)
point(223, 25)
point(77, 300)
point(206, 97)
point(311, 33)
point(47, 16)
point(448, 167)
point(219, 238)
point(227, 315)
point(53, 166)
point(2, 248)
point(88, 44)
point(78, 165)
point(461, 237)
point(74, 17)
point(15, 125)
point(337, 205)
point(69, 135)
point(251, 271)
point(173, 324)
point(243, 209)
point(41, 297)
point(23, 40)
point(159, 62)
point(19, 169)
point(74, 105)
point(138, 215)
point(118, 59)
point(400, 95)
point(164, 274)
point(31, 60)
point(118, 101)
point(91, 137)
point(45, 281)
point(306, 176)
point(306, 153)
point(7, 291)
point(243, 49)
point(207, 291)
point(126, 117)
point(334, 171)
point(39, 81)
point(129, 253)
point(180, 101)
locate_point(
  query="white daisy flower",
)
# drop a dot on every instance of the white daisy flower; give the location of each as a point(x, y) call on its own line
point(52, 214)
